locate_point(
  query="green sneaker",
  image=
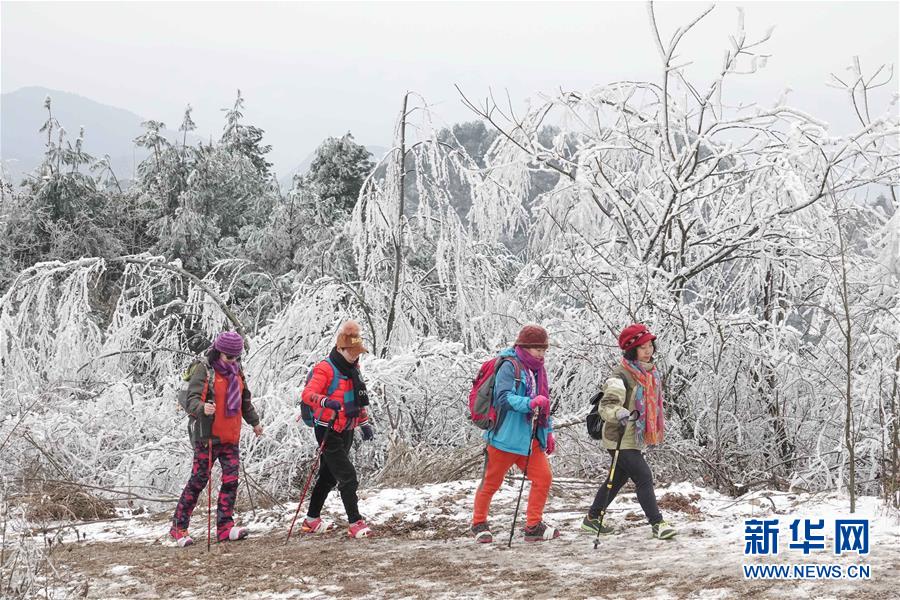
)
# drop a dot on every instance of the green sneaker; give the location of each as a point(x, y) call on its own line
point(663, 531)
point(593, 525)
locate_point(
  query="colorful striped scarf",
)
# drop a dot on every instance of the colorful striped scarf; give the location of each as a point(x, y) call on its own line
point(648, 400)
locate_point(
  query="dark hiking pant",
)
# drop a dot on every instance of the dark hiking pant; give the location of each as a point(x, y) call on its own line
point(228, 456)
point(631, 465)
point(335, 469)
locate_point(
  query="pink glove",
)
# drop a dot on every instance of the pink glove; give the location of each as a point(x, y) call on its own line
point(542, 404)
point(551, 443)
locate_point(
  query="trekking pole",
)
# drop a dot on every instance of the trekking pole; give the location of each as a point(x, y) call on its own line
point(534, 422)
point(209, 493)
point(312, 470)
point(633, 416)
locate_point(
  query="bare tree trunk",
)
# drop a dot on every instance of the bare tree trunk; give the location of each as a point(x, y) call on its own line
point(398, 233)
point(895, 439)
point(847, 332)
point(769, 384)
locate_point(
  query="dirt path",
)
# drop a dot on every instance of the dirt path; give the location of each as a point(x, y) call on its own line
point(433, 557)
point(398, 567)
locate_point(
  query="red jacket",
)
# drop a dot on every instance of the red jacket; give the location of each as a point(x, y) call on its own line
point(315, 393)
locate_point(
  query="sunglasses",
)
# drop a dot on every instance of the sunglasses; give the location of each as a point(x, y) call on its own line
point(230, 356)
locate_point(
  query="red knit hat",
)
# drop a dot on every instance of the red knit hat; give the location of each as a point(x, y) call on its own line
point(633, 336)
point(532, 336)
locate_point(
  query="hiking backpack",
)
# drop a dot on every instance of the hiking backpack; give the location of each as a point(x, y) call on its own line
point(306, 411)
point(481, 397)
point(593, 421)
point(202, 425)
point(186, 378)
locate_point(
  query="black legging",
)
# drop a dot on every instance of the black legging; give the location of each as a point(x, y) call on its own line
point(336, 468)
point(632, 466)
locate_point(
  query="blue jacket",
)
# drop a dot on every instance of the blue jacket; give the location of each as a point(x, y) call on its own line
point(511, 401)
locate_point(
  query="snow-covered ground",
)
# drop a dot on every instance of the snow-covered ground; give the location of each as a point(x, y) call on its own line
point(422, 549)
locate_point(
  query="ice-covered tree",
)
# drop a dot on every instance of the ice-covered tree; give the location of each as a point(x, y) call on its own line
point(679, 209)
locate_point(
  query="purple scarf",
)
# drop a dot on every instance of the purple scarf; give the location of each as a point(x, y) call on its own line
point(536, 366)
point(229, 370)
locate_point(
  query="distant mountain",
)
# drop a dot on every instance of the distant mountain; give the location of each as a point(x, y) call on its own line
point(107, 129)
point(287, 181)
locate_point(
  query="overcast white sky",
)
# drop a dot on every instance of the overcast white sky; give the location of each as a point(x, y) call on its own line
point(312, 70)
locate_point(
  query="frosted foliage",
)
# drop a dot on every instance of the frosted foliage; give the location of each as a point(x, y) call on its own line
point(449, 274)
point(117, 425)
point(48, 327)
point(497, 204)
point(761, 250)
point(720, 233)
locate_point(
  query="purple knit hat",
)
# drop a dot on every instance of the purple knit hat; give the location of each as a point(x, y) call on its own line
point(229, 342)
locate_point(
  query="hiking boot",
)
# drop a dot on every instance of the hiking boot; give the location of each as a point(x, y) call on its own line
point(181, 537)
point(541, 533)
point(234, 534)
point(663, 531)
point(317, 525)
point(359, 529)
point(482, 533)
point(593, 525)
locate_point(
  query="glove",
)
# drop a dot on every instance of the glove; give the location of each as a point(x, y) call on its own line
point(331, 404)
point(367, 432)
point(551, 444)
point(622, 416)
point(540, 403)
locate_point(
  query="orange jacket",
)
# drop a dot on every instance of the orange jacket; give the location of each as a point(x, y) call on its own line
point(227, 429)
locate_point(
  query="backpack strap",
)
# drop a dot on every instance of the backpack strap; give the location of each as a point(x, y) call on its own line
point(335, 378)
point(516, 365)
point(501, 414)
point(210, 377)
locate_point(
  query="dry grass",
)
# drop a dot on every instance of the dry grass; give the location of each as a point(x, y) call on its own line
point(408, 466)
point(676, 502)
point(55, 501)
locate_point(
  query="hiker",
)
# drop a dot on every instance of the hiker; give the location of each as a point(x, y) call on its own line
point(634, 384)
point(215, 407)
point(336, 416)
point(517, 401)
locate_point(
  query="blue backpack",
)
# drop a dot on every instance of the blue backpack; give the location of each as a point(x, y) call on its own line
point(306, 411)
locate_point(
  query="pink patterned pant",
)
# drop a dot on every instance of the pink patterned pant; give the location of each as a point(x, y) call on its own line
point(228, 456)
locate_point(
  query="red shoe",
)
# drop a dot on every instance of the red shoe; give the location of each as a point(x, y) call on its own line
point(181, 537)
point(359, 529)
point(317, 525)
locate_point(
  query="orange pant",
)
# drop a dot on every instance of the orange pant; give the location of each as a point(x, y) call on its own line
point(498, 463)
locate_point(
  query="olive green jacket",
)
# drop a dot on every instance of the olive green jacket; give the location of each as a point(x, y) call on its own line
point(618, 392)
